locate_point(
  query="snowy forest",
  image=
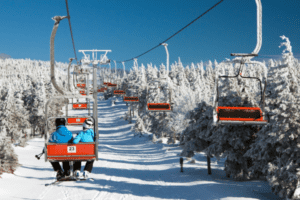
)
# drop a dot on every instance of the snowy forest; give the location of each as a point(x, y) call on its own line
point(252, 152)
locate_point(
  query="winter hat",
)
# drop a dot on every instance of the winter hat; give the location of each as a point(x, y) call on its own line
point(88, 123)
point(60, 121)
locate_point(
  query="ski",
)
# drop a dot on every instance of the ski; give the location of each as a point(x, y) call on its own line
point(60, 181)
point(53, 183)
point(84, 179)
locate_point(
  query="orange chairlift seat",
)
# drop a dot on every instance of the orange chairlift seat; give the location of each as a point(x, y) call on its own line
point(111, 85)
point(131, 99)
point(231, 115)
point(160, 107)
point(76, 120)
point(79, 106)
point(102, 89)
point(119, 92)
point(63, 152)
point(82, 85)
point(82, 92)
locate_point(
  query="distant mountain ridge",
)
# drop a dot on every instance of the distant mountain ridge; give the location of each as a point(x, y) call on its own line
point(4, 56)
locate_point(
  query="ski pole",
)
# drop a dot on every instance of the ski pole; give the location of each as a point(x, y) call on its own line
point(40, 155)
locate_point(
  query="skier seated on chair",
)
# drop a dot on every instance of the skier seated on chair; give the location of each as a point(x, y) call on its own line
point(61, 135)
point(87, 135)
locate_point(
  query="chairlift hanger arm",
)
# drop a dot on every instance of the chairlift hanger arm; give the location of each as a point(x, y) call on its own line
point(262, 99)
point(57, 19)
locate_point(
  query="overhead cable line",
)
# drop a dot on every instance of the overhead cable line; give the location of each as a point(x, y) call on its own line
point(71, 30)
point(173, 34)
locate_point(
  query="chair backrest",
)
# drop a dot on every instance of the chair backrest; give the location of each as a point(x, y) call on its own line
point(71, 152)
point(159, 107)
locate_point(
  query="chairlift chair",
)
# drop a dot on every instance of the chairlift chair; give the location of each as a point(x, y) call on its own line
point(82, 85)
point(119, 92)
point(243, 115)
point(160, 107)
point(65, 151)
point(233, 115)
point(131, 98)
point(111, 85)
point(101, 90)
point(79, 106)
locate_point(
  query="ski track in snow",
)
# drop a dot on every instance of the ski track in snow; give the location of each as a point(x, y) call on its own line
point(129, 168)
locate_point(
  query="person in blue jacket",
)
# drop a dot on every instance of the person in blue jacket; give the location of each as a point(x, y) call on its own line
point(61, 135)
point(87, 135)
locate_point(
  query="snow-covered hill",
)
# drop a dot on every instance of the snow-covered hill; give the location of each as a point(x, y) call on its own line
point(128, 168)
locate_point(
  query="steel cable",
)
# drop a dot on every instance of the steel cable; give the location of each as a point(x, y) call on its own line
point(173, 34)
point(71, 30)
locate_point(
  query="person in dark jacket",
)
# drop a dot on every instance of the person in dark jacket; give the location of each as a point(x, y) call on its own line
point(61, 135)
point(87, 135)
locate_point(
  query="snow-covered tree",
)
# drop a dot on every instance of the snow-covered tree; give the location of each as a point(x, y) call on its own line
point(275, 152)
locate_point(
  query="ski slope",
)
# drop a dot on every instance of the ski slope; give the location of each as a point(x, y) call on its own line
point(128, 168)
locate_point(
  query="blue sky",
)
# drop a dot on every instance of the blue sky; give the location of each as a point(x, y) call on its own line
point(132, 27)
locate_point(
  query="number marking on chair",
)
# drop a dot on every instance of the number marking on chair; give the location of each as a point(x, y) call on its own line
point(71, 149)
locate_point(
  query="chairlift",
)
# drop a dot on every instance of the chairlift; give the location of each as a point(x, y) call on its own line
point(131, 99)
point(160, 107)
point(233, 115)
point(81, 85)
point(65, 151)
point(101, 90)
point(76, 120)
point(111, 85)
point(79, 106)
point(119, 92)
point(225, 115)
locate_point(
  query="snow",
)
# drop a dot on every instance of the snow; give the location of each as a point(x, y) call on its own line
point(129, 167)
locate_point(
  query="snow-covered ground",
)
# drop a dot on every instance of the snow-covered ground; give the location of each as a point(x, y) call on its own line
point(128, 168)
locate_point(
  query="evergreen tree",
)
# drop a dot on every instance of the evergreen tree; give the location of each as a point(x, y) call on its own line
point(275, 152)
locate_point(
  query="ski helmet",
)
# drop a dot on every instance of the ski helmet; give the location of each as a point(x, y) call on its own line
point(88, 123)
